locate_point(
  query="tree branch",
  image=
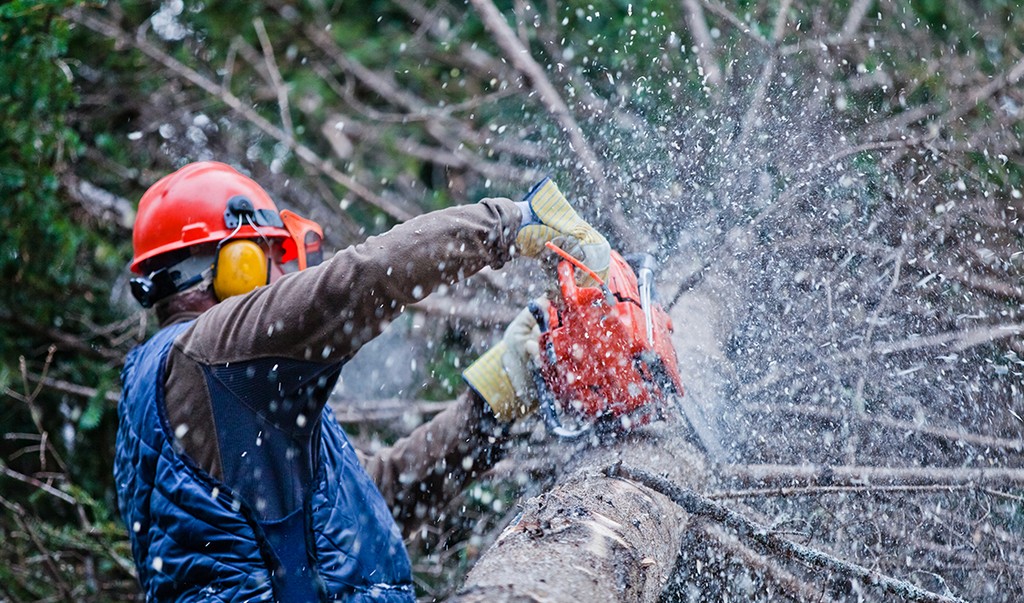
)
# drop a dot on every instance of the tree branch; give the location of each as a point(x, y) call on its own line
point(825, 490)
point(35, 483)
point(21, 517)
point(854, 17)
point(304, 153)
point(524, 62)
point(276, 80)
point(823, 474)
point(705, 48)
point(954, 435)
point(696, 504)
point(955, 340)
point(719, 9)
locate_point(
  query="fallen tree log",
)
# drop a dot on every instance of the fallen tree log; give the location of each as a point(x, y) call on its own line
point(593, 537)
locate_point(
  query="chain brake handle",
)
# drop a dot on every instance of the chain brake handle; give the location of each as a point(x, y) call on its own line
point(567, 277)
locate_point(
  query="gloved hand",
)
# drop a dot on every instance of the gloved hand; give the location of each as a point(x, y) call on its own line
point(503, 375)
point(547, 215)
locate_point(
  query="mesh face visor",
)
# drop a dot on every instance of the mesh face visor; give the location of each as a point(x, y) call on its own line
point(305, 248)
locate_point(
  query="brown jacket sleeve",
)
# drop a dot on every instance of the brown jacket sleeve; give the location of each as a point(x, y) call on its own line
point(427, 468)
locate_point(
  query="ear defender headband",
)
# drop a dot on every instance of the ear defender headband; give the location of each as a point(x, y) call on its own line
point(239, 265)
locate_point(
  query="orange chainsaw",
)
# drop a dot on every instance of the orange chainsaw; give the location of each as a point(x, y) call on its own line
point(607, 363)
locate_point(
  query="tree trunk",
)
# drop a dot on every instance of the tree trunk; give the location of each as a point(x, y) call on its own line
point(592, 537)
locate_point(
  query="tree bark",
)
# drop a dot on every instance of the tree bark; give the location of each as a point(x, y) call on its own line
point(592, 537)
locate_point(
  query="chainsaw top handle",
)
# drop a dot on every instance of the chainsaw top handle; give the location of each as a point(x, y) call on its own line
point(567, 277)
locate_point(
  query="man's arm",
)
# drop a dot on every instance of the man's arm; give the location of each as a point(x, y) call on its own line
point(421, 472)
point(326, 313)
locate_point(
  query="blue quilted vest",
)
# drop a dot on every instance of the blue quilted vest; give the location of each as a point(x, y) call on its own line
point(193, 540)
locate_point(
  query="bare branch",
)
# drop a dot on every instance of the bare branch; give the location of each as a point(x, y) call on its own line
point(977, 96)
point(719, 9)
point(49, 563)
point(71, 388)
point(779, 28)
point(800, 590)
point(521, 59)
point(854, 17)
point(303, 152)
point(439, 123)
point(953, 435)
point(954, 340)
point(705, 48)
point(276, 80)
point(35, 483)
point(869, 474)
point(696, 504)
point(999, 289)
point(101, 203)
point(384, 409)
point(872, 322)
point(825, 490)
point(590, 103)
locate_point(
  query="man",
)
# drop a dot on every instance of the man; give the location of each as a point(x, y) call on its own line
point(233, 478)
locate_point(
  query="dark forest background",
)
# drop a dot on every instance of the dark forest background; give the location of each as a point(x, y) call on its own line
point(852, 170)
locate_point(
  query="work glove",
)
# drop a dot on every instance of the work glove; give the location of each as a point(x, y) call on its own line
point(547, 216)
point(503, 375)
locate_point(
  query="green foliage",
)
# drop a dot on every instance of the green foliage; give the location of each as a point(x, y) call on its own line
point(36, 95)
point(446, 366)
point(55, 268)
point(933, 12)
point(56, 264)
point(85, 560)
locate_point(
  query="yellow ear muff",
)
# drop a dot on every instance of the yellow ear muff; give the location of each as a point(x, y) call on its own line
point(241, 267)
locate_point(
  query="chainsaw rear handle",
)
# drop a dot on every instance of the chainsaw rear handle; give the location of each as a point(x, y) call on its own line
point(546, 397)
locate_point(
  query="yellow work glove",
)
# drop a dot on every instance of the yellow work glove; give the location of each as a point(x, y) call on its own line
point(503, 375)
point(547, 215)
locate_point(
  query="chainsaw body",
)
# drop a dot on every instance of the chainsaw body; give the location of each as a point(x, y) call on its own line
point(607, 359)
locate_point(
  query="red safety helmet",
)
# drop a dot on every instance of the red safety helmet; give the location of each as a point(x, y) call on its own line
point(198, 204)
point(208, 203)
